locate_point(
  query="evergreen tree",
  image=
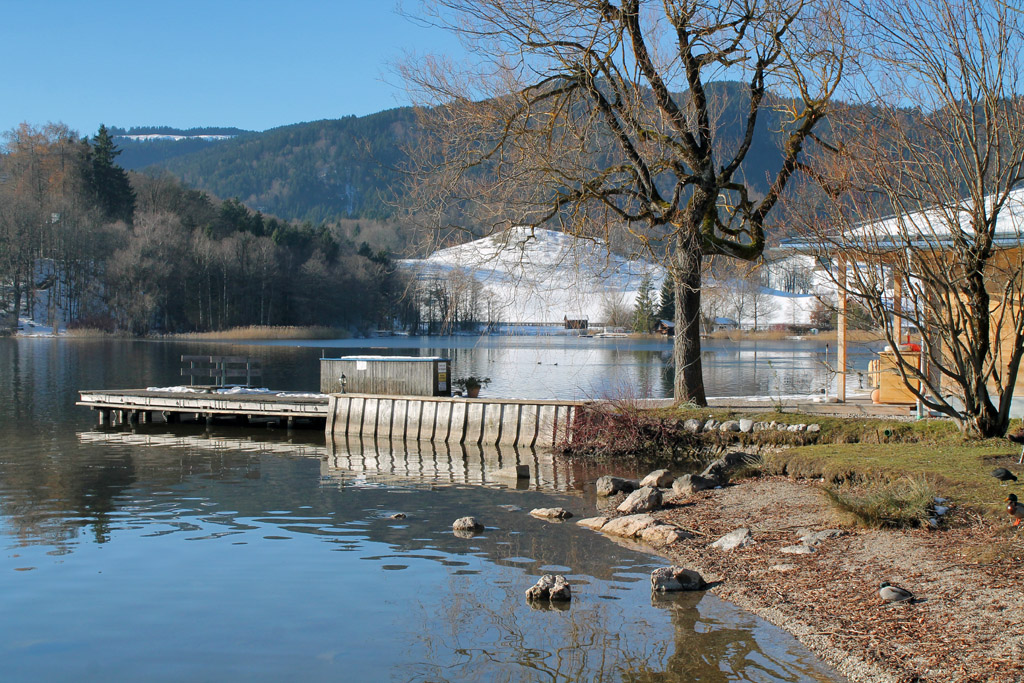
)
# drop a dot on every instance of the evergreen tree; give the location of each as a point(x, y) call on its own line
point(643, 312)
point(667, 305)
point(107, 182)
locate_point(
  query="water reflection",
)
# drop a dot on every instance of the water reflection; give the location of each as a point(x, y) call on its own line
point(177, 552)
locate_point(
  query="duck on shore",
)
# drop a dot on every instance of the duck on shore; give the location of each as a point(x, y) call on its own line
point(891, 593)
point(1015, 509)
point(1003, 474)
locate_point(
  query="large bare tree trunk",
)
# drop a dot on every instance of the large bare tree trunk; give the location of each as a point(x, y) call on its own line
point(686, 354)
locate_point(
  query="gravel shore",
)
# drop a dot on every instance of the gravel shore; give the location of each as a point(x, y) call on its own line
point(968, 621)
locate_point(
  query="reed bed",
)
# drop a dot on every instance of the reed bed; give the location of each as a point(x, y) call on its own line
point(264, 332)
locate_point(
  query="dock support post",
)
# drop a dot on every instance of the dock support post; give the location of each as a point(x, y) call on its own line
point(290, 422)
point(172, 418)
point(104, 415)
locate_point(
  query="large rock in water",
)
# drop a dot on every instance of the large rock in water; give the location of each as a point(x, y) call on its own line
point(467, 524)
point(551, 513)
point(595, 523)
point(689, 484)
point(660, 478)
point(609, 486)
point(676, 579)
point(550, 587)
point(642, 500)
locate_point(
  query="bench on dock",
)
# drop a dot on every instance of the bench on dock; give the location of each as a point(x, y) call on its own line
point(221, 369)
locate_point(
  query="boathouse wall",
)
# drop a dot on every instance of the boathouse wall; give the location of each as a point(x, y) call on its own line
point(452, 420)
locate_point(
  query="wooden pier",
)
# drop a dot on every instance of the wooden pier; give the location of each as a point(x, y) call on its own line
point(134, 406)
point(527, 423)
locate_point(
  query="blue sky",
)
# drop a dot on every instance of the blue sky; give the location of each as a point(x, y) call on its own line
point(254, 64)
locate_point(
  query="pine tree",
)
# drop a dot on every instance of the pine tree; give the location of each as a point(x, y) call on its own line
point(107, 182)
point(667, 305)
point(643, 312)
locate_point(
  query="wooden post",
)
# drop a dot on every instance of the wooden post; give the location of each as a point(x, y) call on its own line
point(104, 416)
point(841, 334)
point(897, 308)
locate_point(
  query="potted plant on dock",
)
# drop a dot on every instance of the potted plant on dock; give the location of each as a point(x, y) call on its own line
point(471, 384)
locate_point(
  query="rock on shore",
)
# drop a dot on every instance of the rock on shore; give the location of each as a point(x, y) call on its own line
point(644, 527)
point(642, 500)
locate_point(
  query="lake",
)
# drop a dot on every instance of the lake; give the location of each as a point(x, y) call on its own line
point(176, 552)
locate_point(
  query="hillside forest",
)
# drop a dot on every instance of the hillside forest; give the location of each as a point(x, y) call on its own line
point(138, 253)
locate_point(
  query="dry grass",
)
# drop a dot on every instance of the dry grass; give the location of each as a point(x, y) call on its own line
point(92, 332)
point(904, 503)
point(265, 332)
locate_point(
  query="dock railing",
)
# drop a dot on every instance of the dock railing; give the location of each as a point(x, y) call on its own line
point(221, 369)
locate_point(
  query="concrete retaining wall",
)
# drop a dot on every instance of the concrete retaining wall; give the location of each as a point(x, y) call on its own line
point(452, 420)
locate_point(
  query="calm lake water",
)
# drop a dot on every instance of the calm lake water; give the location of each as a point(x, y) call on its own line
point(183, 553)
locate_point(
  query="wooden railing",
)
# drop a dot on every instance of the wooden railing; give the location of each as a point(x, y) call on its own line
point(220, 369)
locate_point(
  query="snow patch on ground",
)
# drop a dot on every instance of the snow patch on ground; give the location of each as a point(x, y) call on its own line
point(236, 390)
point(28, 327)
point(536, 275)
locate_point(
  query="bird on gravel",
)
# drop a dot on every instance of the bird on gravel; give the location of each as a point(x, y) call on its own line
point(891, 593)
point(1003, 474)
point(1015, 509)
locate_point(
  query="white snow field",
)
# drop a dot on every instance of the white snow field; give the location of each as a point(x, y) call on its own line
point(536, 275)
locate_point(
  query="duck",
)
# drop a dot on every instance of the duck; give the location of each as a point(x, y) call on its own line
point(1014, 509)
point(1003, 474)
point(891, 593)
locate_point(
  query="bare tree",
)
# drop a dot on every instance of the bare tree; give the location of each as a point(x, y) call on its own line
point(608, 118)
point(925, 220)
point(762, 303)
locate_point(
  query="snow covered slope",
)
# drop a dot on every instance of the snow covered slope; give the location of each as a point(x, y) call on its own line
point(535, 275)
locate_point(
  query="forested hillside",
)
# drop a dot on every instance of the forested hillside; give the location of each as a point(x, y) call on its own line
point(140, 147)
point(350, 167)
point(142, 253)
point(344, 168)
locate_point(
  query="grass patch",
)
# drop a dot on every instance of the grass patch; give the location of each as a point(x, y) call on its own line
point(265, 332)
point(957, 470)
point(899, 504)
